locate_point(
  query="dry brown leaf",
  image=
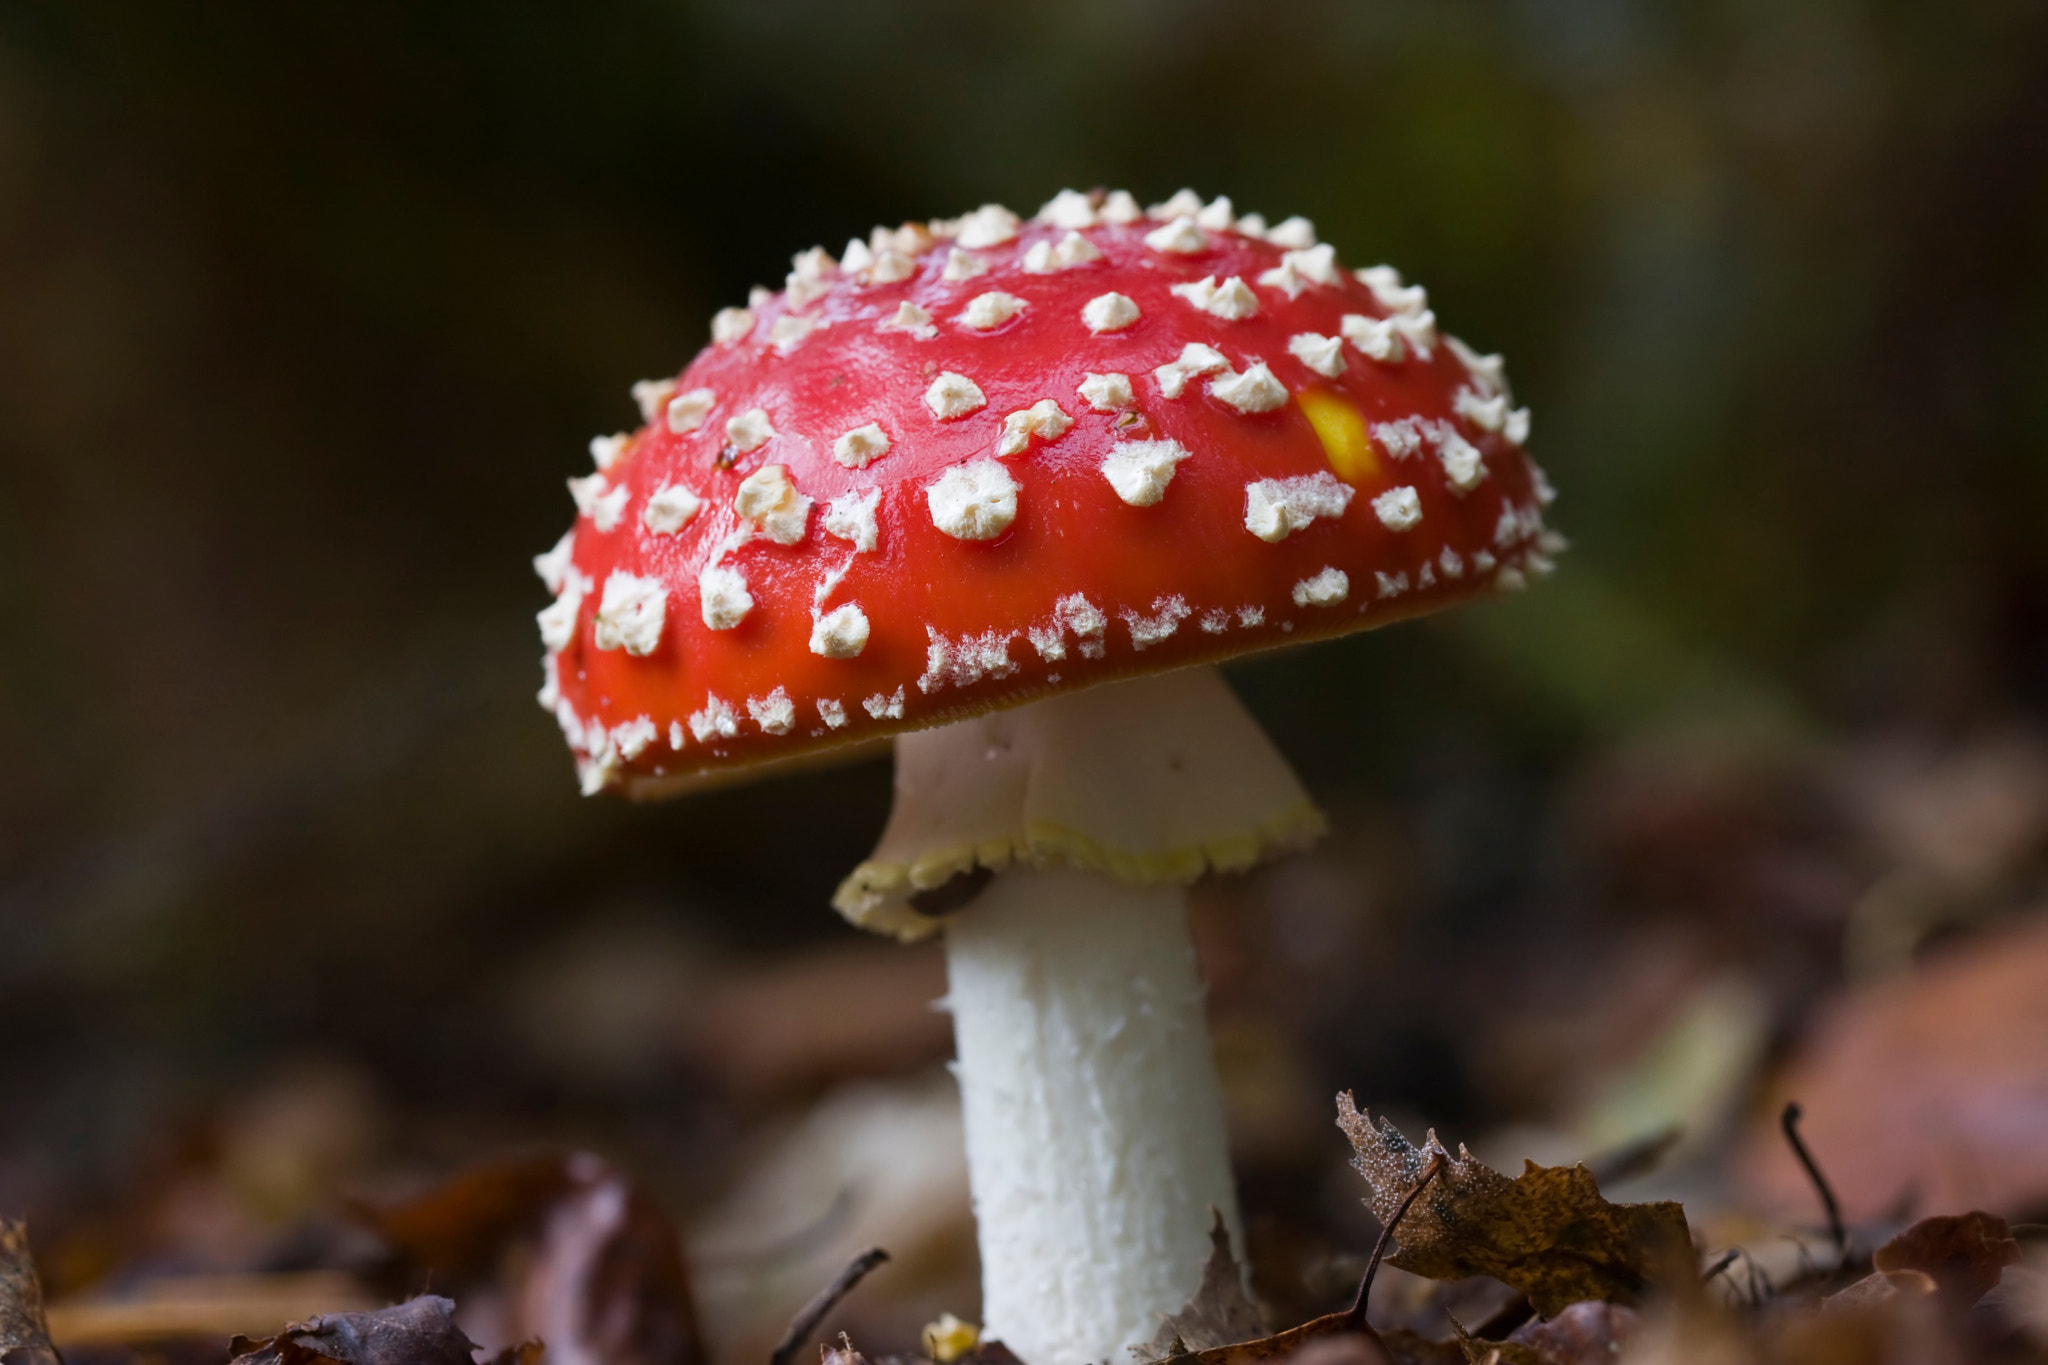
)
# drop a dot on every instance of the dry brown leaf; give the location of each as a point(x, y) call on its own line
point(1547, 1232)
point(562, 1248)
point(1922, 1089)
point(1965, 1255)
point(1588, 1333)
point(24, 1335)
point(420, 1331)
point(1219, 1314)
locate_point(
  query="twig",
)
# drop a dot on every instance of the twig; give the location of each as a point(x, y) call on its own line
point(1728, 1258)
point(1790, 1123)
point(824, 1301)
point(1379, 1249)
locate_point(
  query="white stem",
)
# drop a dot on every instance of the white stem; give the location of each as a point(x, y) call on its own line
point(1095, 1134)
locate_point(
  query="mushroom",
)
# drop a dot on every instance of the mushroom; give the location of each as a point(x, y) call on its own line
point(1008, 491)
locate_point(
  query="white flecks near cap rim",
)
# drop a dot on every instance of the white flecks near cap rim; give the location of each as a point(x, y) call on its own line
point(1488, 414)
point(651, 395)
point(1274, 509)
point(954, 395)
point(557, 620)
point(1464, 468)
point(632, 738)
point(771, 502)
point(885, 707)
point(1194, 360)
point(912, 319)
point(989, 225)
point(986, 312)
point(1254, 391)
point(1180, 238)
point(722, 592)
point(672, 507)
point(729, 325)
point(1076, 614)
point(1068, 209)
point(1296, 233)
point(1516, 428)
point(1120, 208)
point(965, 661)
point(1139, 471)
point(1167, 614)
point(1391, 584)
point(586, 491)
point(553, 564)
point(631, 613)
point(961, 266)
point(841, 633)
point(676, 734)
point(1516, 524)
point(1399, 509)
point(1184, 203)
point(851, 517)
point(1232, 300)
point(1251, 616)
point(1110, 312)
point(861, 447)
point(1070, 252)
point(750, 430)
point(774, 713)
point(973, 501)
point(1488, 372)
point(1451, 562)
point(1109, 392)
point(1043, 420)
point(1324, 355)
point(716, 720)
point(1325, 589)
point(1390, 293)
point(1214, 622)
point(1218, 215)
point(605, 450)
point(832, 711)
point(1376, 338)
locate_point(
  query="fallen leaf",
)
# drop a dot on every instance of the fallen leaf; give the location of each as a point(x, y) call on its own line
point(1219, 1314)
point(1923, 1089)
point(1880, 1288)
point(1547, 1232)
point(1964, 1255)
point(420, 1331)
point(562, 1248)
point(1405, 1346)
point(1587, 1333)
point(24, 1336)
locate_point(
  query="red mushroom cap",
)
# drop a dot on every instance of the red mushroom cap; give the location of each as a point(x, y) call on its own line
point(983, 461)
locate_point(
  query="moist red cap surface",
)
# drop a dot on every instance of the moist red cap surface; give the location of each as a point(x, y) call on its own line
point(980, 461)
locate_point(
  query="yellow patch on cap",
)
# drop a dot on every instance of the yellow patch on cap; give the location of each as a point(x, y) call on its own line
point(1341, 428)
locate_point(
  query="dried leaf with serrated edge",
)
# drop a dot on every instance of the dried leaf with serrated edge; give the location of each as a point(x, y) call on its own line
point(1547, 1232)
point(420, 1331)
point(24, 1336)
point(583, 1259)
point(1965, 1255)
point(1219, 1314)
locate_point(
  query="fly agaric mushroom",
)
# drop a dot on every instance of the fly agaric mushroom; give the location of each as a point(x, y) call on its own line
point(1007, 491)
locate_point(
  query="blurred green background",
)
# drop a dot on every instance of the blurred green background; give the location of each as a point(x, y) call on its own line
point(307, 310)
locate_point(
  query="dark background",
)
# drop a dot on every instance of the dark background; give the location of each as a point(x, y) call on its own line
point(307, 310)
